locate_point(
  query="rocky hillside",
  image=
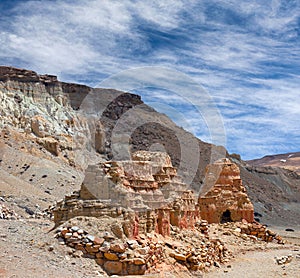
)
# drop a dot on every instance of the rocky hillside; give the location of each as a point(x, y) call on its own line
point(274, 192)
point(51, 131)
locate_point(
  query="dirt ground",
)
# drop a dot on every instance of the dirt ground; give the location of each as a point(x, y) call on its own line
point(261, 263)
point(25, 252)
point(29, 249)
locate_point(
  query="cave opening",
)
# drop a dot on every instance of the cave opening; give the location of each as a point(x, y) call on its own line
point(226, 216)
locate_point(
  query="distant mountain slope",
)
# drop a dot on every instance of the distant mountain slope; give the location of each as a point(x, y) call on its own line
point(275, 193)
point(289, 161)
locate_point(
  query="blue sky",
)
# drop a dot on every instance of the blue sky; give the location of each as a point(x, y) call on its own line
point(245, 54)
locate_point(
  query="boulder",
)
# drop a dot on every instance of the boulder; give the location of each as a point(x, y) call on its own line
point(113, 267)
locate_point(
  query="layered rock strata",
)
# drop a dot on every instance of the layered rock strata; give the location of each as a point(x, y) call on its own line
point(43, 110)
point(146, 191)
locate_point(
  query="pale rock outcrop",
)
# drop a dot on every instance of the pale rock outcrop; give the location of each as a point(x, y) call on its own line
point(40, 126)
point(46, 110)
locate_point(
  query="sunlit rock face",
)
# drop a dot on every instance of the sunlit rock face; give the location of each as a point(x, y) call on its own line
point(45, 110)
point(224, 197)
point(145, 191)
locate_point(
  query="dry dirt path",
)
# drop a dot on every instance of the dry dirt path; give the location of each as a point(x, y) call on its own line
point(257, 264)
point(260, 261)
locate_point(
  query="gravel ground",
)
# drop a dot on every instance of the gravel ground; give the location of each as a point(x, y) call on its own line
point(257, 264)
point(25, 252)
point(259, 261)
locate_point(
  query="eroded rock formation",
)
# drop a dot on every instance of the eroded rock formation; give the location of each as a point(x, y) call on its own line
point(224, 197)
point(145, 191)
point(41, 108)
point(149, 195)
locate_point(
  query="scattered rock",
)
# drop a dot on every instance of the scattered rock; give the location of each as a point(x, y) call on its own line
point(118, 247)
point(284, 259)
point(216, 264)
point(111, 256)
point(50, 248)
point(180, 257)
point(7, 213)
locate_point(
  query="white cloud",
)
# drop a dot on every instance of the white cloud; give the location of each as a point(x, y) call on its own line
point(161, 13)
point(111, 16)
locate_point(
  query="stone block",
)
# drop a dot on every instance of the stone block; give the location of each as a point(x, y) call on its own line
point(113, 267)
point(111, 256)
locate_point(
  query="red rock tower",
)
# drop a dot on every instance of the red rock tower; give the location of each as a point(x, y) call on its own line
point(223, 197)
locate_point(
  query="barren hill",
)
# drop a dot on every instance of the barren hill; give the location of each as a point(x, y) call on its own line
point(289, 161)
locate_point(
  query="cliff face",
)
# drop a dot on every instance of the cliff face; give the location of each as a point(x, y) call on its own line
point(78, 124)
point(274, 193)
point(51, 131)
point(40, 108)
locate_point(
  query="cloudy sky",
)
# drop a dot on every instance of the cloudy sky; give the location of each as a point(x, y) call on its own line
point(244, 54)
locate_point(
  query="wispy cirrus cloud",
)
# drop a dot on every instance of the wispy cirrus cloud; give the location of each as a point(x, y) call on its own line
point(244, 53)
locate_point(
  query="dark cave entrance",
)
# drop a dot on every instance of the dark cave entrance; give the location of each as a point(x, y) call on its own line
point(226, 216)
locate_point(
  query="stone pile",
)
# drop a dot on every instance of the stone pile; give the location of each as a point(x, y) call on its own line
point(39, 214)
point(48, 212)
point(206, 255)
point(202, 226)
point(142, 254)
point(197, 252)
point(115, 256)
point(259, 231)
point(284, 259)
point(6, 213)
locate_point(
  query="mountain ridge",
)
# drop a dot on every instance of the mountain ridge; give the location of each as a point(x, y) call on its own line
point(290, 161)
